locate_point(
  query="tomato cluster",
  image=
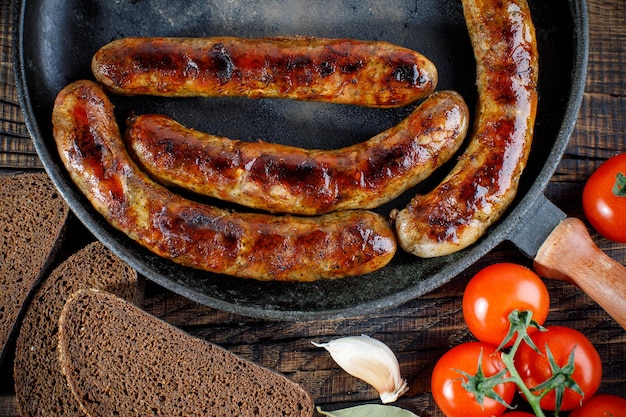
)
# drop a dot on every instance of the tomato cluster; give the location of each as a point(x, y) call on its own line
point(553, 368)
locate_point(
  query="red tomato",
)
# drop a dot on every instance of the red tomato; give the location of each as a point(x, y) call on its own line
point(535, 369)
point(602, 405)
point(518, 414)
point(449, 394)
point(604, 200)
point(494, 292)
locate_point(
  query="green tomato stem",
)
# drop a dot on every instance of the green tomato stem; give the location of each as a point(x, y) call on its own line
point(619, 188)
point(520, 322)
point(532, 399)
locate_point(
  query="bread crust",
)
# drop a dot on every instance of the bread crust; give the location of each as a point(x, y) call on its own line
point(33, 217)
point(40, 388)
point(120, 360)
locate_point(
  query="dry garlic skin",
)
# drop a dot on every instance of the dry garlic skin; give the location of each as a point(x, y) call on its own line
point(370, 360)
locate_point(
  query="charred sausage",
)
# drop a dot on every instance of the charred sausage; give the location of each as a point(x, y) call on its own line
point(485, 180)
point(250, 245)
point(292, 180)
point(365, 73)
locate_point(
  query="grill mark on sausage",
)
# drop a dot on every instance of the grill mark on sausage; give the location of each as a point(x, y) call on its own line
point(293, 180)
point(365, 73)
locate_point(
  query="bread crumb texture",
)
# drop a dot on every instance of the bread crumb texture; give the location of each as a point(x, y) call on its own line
point(40, 387)
point(32, 217)
point(119, 360)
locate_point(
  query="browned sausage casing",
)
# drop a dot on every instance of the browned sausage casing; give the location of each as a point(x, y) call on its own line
point(485, 180)
point(286, 179)
point(365, 73)
point(250, 245)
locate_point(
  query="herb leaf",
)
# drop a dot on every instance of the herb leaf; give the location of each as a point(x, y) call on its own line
point(371, 410)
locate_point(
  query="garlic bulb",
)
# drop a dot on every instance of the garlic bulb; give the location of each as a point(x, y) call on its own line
point(370, 360)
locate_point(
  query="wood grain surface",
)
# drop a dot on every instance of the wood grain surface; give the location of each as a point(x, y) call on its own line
point(420, 331)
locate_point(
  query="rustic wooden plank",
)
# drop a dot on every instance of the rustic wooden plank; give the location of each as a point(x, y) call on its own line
point(8, 144)
point(601, 123)
point(607, 28)
point(16, 147)
point(8, 406)
point(12, 122)
point(600, 128)
point(19, 161)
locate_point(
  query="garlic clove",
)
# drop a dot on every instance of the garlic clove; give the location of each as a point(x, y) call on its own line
point(370, 360)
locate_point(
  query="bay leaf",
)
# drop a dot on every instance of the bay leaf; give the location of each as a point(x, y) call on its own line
point(369, 410)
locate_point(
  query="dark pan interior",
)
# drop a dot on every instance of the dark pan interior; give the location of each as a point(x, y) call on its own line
point(56, 39)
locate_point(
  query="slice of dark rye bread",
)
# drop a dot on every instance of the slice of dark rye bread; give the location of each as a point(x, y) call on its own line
point(32, 220)
point(120, 360)
point(40, 388)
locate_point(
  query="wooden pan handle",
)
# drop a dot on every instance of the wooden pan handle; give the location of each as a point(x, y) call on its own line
point(569, 254)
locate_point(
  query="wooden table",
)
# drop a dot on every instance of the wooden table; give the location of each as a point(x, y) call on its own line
point(419, 331)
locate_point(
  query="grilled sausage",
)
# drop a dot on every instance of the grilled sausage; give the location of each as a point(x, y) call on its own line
point(485, 180)
point(365, 73)
point(250, 245)
point(286, 179)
